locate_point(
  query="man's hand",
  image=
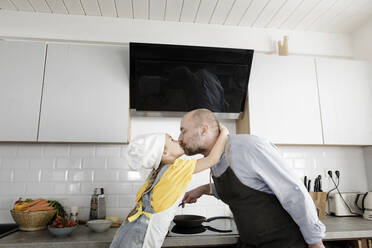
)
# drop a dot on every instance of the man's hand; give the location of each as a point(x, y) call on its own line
point(317, 245)
point(192, 195)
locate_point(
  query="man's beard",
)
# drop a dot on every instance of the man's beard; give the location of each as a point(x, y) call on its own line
point(192, 151)
point(196, 149)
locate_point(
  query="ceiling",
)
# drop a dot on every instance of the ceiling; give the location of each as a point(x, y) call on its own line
point(339, 16)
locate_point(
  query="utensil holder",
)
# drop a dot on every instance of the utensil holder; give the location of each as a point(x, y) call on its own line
point(319, 199)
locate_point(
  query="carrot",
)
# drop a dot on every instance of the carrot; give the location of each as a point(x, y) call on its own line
point(39, 207)
point(40, 203)
point(33, 203)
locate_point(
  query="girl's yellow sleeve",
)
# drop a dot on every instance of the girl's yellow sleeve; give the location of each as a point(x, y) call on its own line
point(172, 184)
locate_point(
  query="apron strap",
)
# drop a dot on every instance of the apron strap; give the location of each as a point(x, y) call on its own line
point(146, 200)
point(227, 164)
point(139, 213)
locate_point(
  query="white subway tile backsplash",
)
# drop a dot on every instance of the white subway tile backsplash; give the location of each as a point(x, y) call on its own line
point(80, 175)
point(54, 150)
point(67, 188)
point(73, 163)
point(28, 150)
point(121, 212)
point(319, 160)
point(55, 175)
point(299, 163)
point(117, 163)
point(194, 209)
point(80, 201)
point(94, 163)
point(207, 200)
point(70, 172)
point(112, 201)
point(105, 175)
point(110, 188)
point(123, 152)
point(120, 188)
point(12, 189)
point(82, 150)
point(39, 188)
point(127, 201)
point(292, 154)
point(13, 163)
point(8, 150)
point(216, 211)
point(6, 175)
point(42, 163)
point(6, 203)
point(5, 217)
point(84, 213)
point(125, 176)
point(108, 151)
point(27, 175)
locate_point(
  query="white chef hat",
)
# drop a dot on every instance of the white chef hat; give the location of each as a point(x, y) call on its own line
point(145, 151)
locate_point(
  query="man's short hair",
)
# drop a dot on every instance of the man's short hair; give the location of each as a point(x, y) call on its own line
point(205, 116)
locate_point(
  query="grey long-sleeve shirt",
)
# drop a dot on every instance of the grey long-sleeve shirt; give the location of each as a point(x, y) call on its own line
point(258, 164)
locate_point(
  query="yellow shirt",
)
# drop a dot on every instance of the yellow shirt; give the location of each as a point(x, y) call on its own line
point(171, 184)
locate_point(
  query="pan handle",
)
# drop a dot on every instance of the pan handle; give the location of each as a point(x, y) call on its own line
point(218, 217)
point(217, 230)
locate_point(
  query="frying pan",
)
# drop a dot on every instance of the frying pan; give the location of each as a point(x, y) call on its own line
point(194, 230)
point(188, 220)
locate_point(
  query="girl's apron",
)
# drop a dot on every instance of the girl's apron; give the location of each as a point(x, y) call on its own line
point(142, 228)
point(261, 220)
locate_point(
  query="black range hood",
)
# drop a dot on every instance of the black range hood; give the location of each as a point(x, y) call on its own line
point(170, 80)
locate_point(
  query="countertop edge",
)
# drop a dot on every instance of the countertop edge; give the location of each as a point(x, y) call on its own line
point(200, 240)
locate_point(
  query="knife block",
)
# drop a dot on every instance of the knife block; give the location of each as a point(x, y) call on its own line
point(319, 199)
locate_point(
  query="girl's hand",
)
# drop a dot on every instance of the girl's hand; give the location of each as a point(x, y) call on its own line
point(223, 129)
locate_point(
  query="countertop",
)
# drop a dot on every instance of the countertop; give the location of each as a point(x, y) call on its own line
point(347, 227)
point(337, 228)
point(84, 237)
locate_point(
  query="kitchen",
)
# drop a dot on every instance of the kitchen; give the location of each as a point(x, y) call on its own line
point(312, 134)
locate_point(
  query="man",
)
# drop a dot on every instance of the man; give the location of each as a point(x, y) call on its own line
point(271, 208)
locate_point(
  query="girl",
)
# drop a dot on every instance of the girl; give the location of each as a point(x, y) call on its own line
point(147, 224)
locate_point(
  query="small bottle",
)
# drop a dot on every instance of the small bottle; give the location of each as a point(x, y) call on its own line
point(97, 205)
point(93, 205)
point(101, 208)
point(74, 214)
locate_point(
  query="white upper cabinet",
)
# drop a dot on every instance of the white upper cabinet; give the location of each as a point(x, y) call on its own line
point(21, 70)
point(345, 89)
point(86, 94)
point(283, 100)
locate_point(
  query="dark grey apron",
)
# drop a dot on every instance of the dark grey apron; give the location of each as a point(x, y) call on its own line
point(261, 220)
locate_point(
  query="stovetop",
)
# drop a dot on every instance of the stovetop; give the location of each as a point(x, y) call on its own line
point(219, 224)
point(6, 229)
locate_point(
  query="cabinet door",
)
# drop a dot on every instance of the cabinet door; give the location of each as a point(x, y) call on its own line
point(86, 94)
point(345, 89)
point(283, 100)
point(21, 70)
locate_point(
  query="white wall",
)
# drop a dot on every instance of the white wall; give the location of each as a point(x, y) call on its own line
point(114, 30)
point(362, 41)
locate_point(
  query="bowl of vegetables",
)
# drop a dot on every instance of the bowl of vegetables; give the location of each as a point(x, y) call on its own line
point(62, 226)
point(33, 215)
